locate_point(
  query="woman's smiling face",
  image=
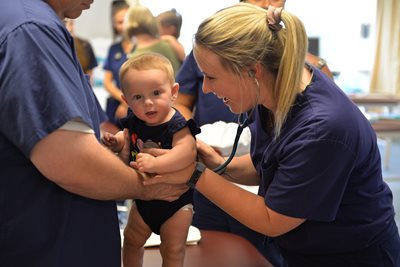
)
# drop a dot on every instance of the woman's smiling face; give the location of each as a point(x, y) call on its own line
point(233, 89)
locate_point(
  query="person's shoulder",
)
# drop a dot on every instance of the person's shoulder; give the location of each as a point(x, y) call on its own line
point(328, 108)
point(163, 44)
point(319, 63)
point(116, 46)
point(23, 14)
point(19, 12)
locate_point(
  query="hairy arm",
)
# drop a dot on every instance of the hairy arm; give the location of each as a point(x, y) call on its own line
point(77, 162)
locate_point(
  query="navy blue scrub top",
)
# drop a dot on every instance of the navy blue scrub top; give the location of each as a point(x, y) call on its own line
point(325, 167)
point(42, 86)
point(208, 108)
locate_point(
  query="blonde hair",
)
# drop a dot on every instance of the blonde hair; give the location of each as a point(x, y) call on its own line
point(140, 20)
point(240, 36)
point(147, 61)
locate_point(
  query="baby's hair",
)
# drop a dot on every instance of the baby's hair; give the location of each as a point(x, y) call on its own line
point(147, 61)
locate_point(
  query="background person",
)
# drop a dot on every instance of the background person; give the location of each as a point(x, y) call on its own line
point(58, 184)
point(141, 26)
point(116, 56)
point(313, 152)
point(149, 88)
point(169, 26)
point(84, 50)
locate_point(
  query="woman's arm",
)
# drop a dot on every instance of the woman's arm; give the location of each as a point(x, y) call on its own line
point(176, 45)
point(240, 170)
point(248, 208)
point(111, 88)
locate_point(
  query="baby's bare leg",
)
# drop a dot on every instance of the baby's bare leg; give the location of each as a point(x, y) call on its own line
point(135, 235)
point(173, 234)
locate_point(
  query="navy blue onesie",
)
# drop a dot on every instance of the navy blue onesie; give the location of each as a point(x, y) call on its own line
point(156, 212)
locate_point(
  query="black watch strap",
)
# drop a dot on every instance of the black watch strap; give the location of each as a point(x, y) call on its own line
point(198, 171)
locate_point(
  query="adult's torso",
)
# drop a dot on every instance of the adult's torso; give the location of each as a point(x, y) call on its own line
point(42, 86)
point(325, 167)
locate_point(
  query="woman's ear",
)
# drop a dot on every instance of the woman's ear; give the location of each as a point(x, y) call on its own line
point(254, 71)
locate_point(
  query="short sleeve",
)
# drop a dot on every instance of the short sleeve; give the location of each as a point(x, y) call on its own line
point(311, 179)
point(42, 86)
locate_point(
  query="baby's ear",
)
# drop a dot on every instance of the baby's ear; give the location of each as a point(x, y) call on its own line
point(174, 91)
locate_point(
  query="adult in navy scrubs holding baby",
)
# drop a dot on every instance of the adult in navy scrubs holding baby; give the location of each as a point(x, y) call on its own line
point(58, 184)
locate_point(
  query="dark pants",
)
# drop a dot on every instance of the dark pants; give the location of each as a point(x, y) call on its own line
point(385, 253)
point(208, 216)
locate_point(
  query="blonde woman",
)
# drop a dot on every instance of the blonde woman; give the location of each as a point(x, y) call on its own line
point(314, 154)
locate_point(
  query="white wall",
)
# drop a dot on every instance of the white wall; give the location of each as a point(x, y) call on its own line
point(337, 23)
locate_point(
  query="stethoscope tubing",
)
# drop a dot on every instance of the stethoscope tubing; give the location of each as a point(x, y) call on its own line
point(221, 168)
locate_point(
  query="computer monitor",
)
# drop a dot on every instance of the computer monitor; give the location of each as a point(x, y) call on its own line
point(313, 45)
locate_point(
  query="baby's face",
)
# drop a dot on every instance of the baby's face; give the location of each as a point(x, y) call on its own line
point(149, 94)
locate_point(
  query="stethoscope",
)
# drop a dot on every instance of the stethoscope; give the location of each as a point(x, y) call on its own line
point(241, 125)
point(221, 168)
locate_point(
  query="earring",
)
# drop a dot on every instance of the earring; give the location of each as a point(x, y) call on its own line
point(256, 81)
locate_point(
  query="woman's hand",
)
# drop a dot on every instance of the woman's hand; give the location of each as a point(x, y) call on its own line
point(208, 155)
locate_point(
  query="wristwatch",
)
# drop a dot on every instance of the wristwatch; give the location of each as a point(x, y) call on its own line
point(198, 171)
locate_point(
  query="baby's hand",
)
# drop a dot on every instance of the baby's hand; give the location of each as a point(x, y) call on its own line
point(110, 141)
point(146, 163)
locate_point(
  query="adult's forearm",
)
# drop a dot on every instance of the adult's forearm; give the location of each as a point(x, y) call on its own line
point(242, 171)
point(78, 163)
